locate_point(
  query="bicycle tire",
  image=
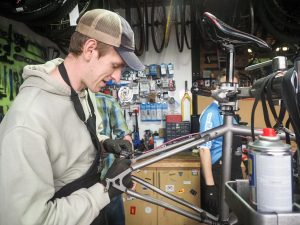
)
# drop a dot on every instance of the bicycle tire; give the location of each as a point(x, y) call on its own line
point(105, 4)
point(252, 18)
point(36, 14)
point(289, 13)
point(188, 21)
point(179, 24)
point(281, 18)
point(169, 22)
point(28, 5)
point(61, 31)
point(136, 21)
point(146, 24)
point(63, 10)
point(268, 25)
point(158, 25)
point(117, 4)
point(198, 12)
point(64, 23)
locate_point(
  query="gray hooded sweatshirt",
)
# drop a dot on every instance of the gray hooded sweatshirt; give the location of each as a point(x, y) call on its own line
point(43, 146)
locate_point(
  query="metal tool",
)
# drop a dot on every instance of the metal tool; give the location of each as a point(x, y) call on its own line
point(11, 94)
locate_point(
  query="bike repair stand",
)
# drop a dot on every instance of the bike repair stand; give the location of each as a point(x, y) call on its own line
point(235, 194)
point(226, 96)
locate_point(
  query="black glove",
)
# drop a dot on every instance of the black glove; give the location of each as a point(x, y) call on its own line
point(118, 166)
point(118, 147)
point(211, 199)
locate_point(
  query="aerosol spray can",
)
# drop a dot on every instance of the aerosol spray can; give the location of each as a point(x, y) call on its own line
point(270, 173)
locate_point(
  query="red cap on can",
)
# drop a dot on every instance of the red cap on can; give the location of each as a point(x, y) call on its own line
point(269, 132)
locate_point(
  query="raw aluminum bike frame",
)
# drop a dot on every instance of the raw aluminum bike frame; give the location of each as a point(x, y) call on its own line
point(228, 129)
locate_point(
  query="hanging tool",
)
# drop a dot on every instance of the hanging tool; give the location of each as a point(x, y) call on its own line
point(5, 79)
point(17, 82)
point(185, 97)
point(52, 53)
point(22, 58)
point(136, 135)
point(7, 48)
point(11, 94)
point(1, 113)
point(1, 75)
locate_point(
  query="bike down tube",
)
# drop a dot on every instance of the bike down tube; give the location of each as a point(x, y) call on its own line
point(167, 195)
point(173, 198)
point(169, 206)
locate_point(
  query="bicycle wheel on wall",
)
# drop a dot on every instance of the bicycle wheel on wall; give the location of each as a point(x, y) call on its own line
point(136, 21)
point(146, 24)
point(188, 20)
point(179, 24)
point(158, 24)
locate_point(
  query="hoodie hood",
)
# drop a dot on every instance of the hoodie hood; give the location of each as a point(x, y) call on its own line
point(39, 76)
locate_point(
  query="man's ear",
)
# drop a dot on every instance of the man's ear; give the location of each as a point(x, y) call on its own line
point(88, 48)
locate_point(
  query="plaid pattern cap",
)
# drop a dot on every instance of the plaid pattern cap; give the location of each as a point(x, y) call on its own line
point(112, 29)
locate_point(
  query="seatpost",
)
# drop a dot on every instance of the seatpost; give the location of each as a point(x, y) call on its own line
point(230, 62)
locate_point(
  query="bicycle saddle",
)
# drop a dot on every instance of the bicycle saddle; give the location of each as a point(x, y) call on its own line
point(222, 33)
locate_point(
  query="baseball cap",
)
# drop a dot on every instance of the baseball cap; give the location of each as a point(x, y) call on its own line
point(112, 29)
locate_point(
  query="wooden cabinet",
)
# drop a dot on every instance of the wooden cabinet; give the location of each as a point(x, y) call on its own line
point(178, 175)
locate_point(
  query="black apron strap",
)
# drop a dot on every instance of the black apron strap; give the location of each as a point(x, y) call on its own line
point(74, 95)
point(92, 176)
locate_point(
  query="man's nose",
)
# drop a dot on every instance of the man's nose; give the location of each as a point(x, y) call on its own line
point(116, 75)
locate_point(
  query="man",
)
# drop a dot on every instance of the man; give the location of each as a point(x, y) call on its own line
point(211, 155)
point(114, 124)
point(49, 148)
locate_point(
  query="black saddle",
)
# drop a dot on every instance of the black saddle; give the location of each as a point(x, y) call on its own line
point(222, 33)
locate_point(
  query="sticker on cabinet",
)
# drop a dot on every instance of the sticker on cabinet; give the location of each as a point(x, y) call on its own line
point(170, 188)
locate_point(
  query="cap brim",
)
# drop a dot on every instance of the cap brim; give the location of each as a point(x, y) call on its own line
point(130, 59)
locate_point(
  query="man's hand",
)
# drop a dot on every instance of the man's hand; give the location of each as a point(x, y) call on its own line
point(211, 198)
point(118, 147)
point(118, 166)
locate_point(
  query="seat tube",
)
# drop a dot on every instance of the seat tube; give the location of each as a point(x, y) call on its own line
point(226, 165)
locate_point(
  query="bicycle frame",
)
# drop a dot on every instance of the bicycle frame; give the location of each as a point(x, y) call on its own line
point(228, 106)
point(228, 129)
